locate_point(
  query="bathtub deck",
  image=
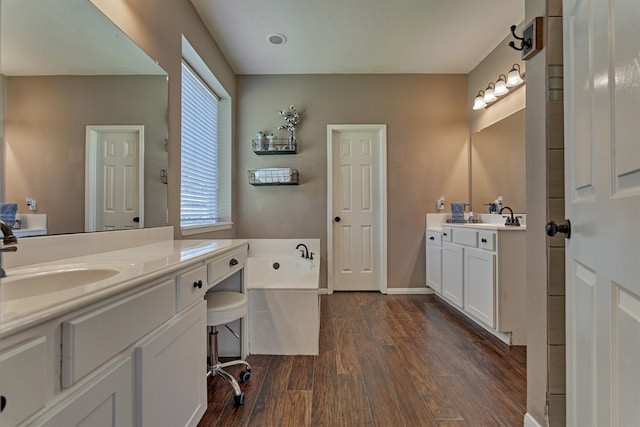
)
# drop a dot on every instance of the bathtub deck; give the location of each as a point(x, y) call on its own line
point(384, 360)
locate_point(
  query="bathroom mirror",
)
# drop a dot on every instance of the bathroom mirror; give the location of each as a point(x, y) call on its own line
point(65, 66)
point(498, 164)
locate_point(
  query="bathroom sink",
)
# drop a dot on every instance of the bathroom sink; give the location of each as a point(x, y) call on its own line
point(28, 284)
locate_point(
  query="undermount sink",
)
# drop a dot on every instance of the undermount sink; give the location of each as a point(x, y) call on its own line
point(28, 284)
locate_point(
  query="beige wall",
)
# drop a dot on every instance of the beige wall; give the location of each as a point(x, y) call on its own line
point(157, 27)
point(3, 100)
point(427, 135)
point(45, 139)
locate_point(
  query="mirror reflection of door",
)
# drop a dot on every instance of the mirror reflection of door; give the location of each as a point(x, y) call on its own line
point(114, 198)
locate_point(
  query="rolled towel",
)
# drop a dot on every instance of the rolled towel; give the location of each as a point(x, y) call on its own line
point(8, 213)
point(273, 175)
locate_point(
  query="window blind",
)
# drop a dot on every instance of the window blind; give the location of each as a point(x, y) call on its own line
point(201, 193)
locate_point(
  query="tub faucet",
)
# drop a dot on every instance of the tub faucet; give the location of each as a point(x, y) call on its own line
point(8, 239)
point(305, 252)
point(515, 222)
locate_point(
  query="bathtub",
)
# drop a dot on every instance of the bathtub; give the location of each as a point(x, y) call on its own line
point(284, 303)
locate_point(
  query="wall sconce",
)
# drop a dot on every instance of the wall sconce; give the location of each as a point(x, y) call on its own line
point(498, 90)
point(479, 103)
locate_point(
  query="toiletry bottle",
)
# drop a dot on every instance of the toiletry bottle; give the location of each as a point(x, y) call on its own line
point(471, 218)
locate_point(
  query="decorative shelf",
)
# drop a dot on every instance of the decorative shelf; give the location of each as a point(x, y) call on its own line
point(273, 176)
point(275, 146)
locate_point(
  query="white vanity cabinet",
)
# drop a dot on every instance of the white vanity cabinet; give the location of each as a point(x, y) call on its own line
point(433, 261)
point(134, 358)
point(484, 275)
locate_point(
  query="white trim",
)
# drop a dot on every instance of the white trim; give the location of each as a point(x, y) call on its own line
point(410, 291)
point(529, 421)
point(323, 291)
point(382, 159)
point(91, 146)
point(197, 229)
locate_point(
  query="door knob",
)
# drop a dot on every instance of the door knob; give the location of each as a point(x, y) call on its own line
point(552, 229)
point(337, 219)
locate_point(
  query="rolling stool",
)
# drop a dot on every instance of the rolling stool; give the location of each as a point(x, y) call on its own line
point(224, 307)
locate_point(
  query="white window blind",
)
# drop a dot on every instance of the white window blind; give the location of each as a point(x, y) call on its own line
point(203, 197)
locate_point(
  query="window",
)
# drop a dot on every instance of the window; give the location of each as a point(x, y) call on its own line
point(205, 189)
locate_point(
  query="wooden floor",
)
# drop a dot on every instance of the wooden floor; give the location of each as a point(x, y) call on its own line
point(385, 360)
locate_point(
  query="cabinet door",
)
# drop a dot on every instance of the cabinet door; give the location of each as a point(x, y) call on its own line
point(171, 383)
point(22, 381)
point(479, 285)
point(434, 267)
point(108, 401)
point(452, 263)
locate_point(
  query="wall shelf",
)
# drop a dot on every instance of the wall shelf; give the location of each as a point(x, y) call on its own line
point(273, 176)
point(267, 146)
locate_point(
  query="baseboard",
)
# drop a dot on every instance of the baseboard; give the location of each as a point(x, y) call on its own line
point(323, 291)
point(529, 421)
point(409, 291)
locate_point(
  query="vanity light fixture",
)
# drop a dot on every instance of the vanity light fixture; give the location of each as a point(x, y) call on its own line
point(498, 90)
point(479, 103)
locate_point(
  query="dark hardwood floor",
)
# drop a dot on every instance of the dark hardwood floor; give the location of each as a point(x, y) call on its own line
point(385, 360)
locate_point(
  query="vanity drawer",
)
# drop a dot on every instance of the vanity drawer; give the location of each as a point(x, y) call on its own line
point(487, 240)
point(23, 376)
point(434, 238)
point(447, 234)
point(90, 340)
point(221, 267)
point(190, 286)
point(466, 236)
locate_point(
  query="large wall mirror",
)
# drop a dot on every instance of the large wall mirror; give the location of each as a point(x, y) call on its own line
point(498, 164)
point(69, 76)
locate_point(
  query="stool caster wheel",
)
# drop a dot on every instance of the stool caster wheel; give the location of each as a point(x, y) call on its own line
point(245, 375)
point(238, 400)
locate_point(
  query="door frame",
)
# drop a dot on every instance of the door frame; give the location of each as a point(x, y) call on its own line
point(381, 182)
point(90, 177)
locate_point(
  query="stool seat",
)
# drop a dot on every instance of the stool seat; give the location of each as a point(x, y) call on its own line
point(225, 307)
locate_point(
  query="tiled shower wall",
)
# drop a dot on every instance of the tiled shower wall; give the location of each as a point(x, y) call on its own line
point(555, 211)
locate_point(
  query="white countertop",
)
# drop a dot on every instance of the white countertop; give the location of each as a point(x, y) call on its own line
point(136, 265)
point(485, 226)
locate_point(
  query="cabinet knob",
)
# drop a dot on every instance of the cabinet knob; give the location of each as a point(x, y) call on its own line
point(3, 403)
point(198, 284)
point(483, 240)
point(233, 262)
point(444, 234)
point(337, 219)
point(432, 238)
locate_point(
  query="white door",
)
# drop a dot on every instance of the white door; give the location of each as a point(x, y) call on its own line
point(357, 207)
point(115, 173)
point(452, 273)
point(602, 186)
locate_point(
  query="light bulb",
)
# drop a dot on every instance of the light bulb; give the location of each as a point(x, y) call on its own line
point(488, 94)
point(479, 103)
point(514, 78)
point(501, 86)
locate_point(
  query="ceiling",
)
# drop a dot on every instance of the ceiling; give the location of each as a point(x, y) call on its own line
point(65, 37)
point(358, 36)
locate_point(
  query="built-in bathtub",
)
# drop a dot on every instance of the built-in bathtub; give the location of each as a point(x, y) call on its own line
point(284, 304)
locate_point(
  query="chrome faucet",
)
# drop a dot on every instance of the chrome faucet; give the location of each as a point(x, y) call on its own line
point(511, 220)
point(9, 240)
point(305, 252)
